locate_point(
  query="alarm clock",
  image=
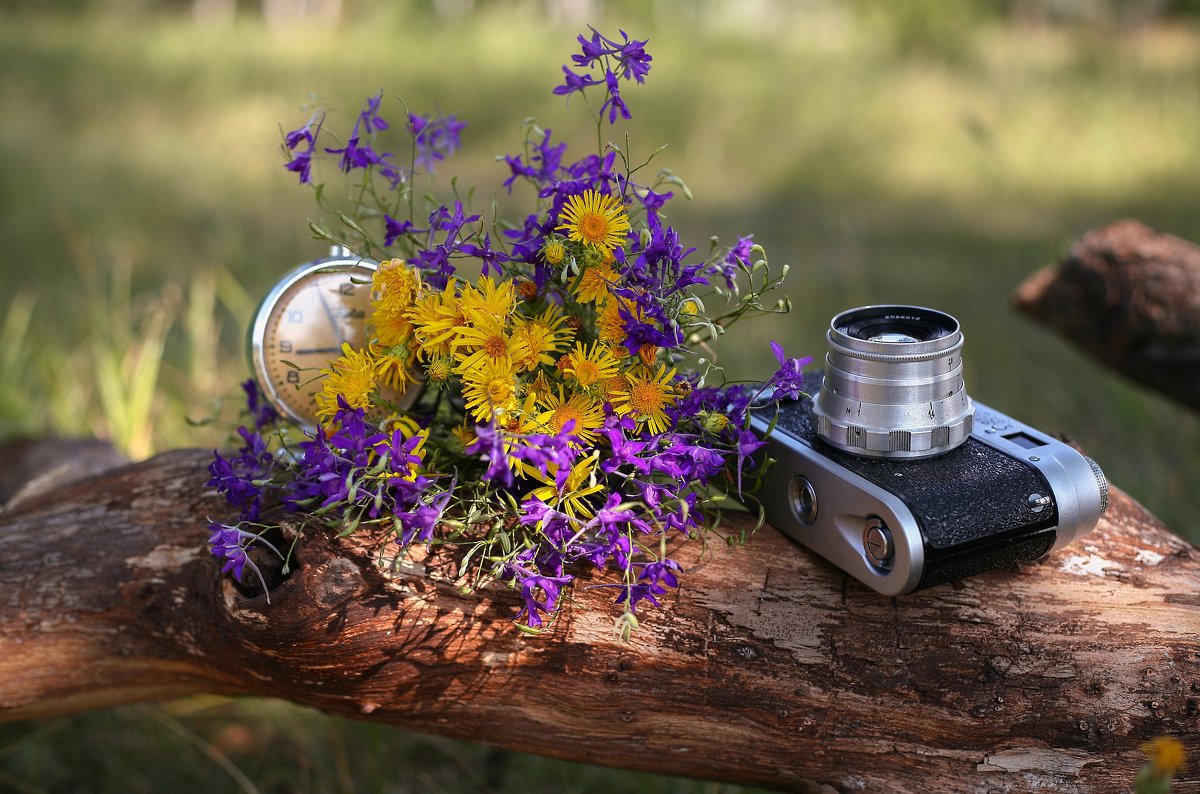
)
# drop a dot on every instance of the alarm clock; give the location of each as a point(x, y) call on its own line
point(301, 325)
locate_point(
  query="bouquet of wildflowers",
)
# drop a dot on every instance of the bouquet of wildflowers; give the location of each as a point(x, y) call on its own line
point(567, 416)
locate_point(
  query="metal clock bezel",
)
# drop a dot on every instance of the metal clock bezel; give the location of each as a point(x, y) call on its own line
point(339, 260)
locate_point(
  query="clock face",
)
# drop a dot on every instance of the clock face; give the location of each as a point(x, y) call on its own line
point(304, 322)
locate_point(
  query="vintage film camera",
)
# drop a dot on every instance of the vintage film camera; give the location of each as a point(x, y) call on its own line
point(896, 476)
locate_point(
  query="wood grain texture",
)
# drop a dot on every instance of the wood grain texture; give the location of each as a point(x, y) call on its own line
point(769, 666)
point(1130, 296)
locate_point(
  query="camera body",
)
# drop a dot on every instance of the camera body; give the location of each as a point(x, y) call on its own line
point(949, 489)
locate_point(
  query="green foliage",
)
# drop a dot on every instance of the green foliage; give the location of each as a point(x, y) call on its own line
point(270, 747)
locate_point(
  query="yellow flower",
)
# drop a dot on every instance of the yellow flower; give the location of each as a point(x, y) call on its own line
point(713, 421)
point(489, 298)
point(596, 220)
point(646, 397)
point(491, 388)
point(579, 408)
point(392, 367)
point(394, 287)
point(615, 385)
point(350, 376)
point(439, 369)
point(554, 252)
point(572, 499)
point(436, 319)
point(527, 290)
point(590, 367)
point(486, 339)
point(543, 335)
point(595, 283)
point(540, 388)
point(1166, 754)
point(609, 325)
point(461, 437)
point(406, 424)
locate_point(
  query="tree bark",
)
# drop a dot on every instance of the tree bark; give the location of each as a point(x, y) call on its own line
point(1130, 296)
point(768, 667)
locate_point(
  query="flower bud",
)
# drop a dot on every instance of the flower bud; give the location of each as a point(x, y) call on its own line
point(713, 421)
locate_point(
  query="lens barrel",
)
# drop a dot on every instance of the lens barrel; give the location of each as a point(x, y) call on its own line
point(893, 384)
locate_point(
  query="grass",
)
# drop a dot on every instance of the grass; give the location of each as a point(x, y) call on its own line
point(886, 158)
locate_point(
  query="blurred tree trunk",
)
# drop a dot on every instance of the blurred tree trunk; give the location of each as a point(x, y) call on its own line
point(768, 667)
point(1130, 296)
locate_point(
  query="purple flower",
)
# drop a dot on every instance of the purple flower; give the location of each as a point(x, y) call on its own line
point(746, 444)
point(243, 477)
point(301, 163)
point(660, 264)
point(635, 61)
point(531, 581)
point(788, 380)
point(542, 166)
point(356, 154)
point(489, 446)
point(394, 229)
point(653, 581)
point(232, 544)
point(539, 450)
point(574, 82)
point(653, 202)
point(592, 49)
point(616, 106)
point(370, 114)
point(628, 57)
point(419, 523)
point(436, 138)
point(732, 401)
point(737, 257)
point(258, 408)
point(450, 223)
point(623, 451)
point(630, 54)
point(594, 169)
point(344, 469)
point(535, 511)
point(491, 258)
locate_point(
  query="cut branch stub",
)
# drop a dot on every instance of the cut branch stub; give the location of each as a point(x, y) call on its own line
point(1130, 296)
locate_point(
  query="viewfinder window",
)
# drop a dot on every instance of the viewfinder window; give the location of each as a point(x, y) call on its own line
point(1025, 440)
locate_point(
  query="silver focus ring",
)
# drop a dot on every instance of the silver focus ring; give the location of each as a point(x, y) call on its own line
point(908, 358)
point(1101, 481)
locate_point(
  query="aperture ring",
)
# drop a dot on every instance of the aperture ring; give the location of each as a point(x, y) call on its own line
point(904, 358)
point(881, 442)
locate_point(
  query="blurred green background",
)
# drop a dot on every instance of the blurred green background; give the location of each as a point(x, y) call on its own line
point(912, 152)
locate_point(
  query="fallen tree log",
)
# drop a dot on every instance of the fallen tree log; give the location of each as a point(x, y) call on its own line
point(768, 667)
point(1130, 296)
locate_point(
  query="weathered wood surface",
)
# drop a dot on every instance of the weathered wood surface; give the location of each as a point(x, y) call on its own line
point(770, 667)
point(1130, 296)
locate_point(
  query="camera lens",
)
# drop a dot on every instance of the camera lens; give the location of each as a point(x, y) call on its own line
point(896, 324)
point(893, 384)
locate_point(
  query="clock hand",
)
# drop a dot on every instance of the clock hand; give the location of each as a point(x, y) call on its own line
point(337, 327)
point(309, 350)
